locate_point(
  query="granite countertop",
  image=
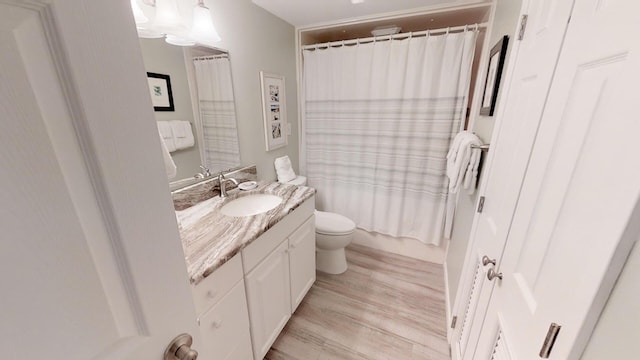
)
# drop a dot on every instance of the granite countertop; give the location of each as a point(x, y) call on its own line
point(210, 239)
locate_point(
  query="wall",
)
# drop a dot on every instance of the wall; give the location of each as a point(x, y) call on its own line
point(258, 41)
point(504, 23)
point(617, 330)
point(160, 57)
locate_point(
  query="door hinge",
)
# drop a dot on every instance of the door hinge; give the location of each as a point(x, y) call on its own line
point(480, 204)
point(549, 340)
point(454, 320)
point(523, 26)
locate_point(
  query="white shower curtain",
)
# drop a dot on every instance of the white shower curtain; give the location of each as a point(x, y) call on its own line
point(220, 150)
point(379, 118)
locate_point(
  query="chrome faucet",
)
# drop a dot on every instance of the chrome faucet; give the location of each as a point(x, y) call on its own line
point(223, 184)
point(204, 174)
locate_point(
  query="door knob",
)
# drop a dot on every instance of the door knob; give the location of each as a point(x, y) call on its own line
point(492, 274)
point(180, 349)
point(486, 261)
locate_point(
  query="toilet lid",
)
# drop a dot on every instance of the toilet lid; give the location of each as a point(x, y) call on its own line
point(333, 224)
point(299, 180)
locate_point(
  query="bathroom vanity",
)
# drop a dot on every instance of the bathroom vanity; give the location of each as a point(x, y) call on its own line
point(249, 273)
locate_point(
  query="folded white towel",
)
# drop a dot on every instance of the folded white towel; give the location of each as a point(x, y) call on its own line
point(167, 135)
point(462, 161)
point(284, 169)
point(182, 134)
point(169, 165)
point(471, 175)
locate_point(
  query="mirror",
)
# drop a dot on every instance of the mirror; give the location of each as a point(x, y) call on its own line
point(197, 82)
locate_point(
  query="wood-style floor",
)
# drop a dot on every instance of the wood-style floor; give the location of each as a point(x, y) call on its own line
point(385, 306)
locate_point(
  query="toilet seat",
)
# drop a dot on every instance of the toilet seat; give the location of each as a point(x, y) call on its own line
point(333, 224)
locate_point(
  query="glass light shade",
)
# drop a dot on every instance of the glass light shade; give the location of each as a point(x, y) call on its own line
point(203, 30)
point(168, 18)
point(179, 41)
point(149, 34)
point(138, 15)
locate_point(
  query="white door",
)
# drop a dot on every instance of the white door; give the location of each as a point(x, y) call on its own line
point(90, 258)
point(578, 212)
point(531, 69)
point(269, 299)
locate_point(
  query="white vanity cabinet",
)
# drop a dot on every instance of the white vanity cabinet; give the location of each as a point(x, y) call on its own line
point(225, 328)
point(245, 303)
point(221, 306)
point(279, 270)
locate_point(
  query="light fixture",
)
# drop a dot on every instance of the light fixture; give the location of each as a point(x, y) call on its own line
point(202, 29)
point(386, 30)
point(179, 41)
point(149, 34)
point(168, 21)
point(138, 15)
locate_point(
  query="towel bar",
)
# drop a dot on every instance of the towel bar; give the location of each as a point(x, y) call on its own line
point(484, 147)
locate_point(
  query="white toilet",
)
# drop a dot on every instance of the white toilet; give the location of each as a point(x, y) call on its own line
point(333, 233)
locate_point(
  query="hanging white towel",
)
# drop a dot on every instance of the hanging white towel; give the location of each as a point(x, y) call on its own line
point(471, 175)
point(182, 134)
point(167, 135)
point(462, 170)
point(169, 165)
point(463, 161)
point(284, 169)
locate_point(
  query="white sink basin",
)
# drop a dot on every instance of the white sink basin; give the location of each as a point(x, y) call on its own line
point(250, 205)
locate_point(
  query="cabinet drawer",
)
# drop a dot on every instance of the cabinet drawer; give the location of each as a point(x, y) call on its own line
point(225, 328)
point(263, 245)
point(210, 290)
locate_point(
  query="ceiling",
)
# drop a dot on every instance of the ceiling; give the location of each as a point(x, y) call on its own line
point(417, 22)
point(302, 13)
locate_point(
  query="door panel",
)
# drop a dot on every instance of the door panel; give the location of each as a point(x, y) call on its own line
point(269, 299)
point(92, 257)
point(578, 211)
point(302, 261)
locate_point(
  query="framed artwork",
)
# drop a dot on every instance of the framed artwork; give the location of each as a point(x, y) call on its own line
point(494, 74)
point(160, 90)
point(274, 108)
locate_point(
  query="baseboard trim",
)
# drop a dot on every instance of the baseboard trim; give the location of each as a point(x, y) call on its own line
point(447, 300)
point(401, 246)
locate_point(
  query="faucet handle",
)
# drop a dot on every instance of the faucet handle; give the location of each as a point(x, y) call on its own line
point(205, 170)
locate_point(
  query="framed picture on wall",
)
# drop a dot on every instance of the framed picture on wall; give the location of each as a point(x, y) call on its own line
point(160, 90)
point(494, 74)
point(274, 108)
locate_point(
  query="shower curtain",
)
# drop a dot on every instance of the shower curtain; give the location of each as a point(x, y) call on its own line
point(220, 149)
point(378, 120)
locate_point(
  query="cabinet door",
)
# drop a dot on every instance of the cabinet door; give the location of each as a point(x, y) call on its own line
point(268, 294)
point(225, 328)
point(302, 261)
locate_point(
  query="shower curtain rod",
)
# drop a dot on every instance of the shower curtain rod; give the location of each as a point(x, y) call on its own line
point(475, 27)
point(211, 57)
